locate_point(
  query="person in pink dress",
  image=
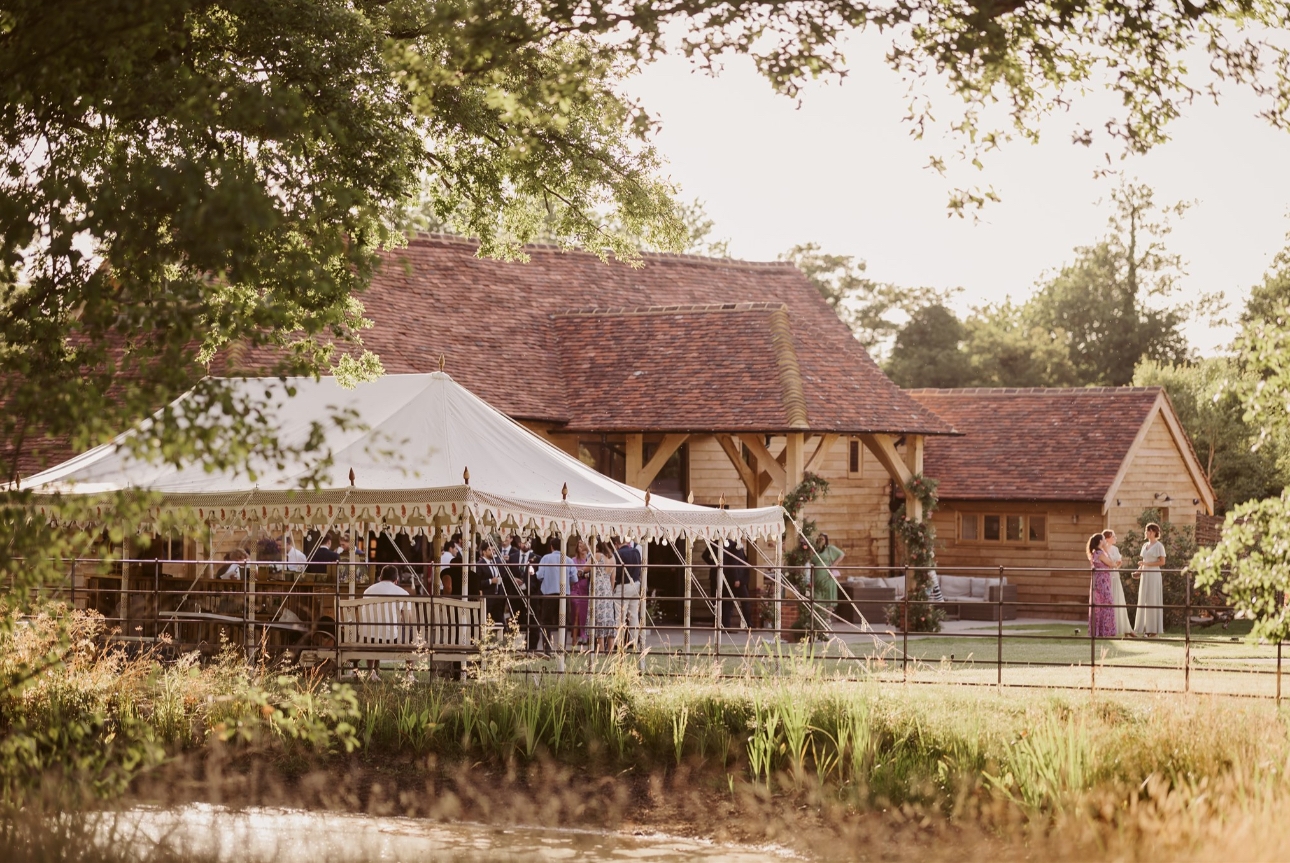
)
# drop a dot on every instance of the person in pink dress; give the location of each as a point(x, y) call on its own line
point(580, 590)
point(1101, 606)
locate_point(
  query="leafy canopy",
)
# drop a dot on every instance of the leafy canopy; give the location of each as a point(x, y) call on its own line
point(206, 184)
point(1090, 323)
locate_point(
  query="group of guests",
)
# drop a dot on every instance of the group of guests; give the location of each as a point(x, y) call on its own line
point(1108, 617)
point(522, 582)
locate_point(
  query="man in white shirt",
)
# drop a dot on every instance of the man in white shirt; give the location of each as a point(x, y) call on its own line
point(296, 560)
point(451, 553)
point(387, 632)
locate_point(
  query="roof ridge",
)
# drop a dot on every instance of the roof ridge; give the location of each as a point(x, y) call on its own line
point(1021, 391)
point(458, 239)
point(698, 308)
point(790, 371)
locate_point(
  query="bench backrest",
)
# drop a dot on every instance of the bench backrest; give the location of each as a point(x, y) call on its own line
point(431, 621)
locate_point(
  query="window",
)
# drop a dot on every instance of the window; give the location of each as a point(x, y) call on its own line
point(607, 456)
point(672, 479)
point(1012, 528)
point(854, 460)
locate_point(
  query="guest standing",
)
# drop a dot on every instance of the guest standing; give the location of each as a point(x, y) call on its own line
point(579, 590)
point(1150, 620)
point(604, 607)
point(450, 565)
point(1101, 616)
point(628, 588)
point(486, 581)
point(1114, 558)
point(548, 573)
point(824, 586)
point(737, 613)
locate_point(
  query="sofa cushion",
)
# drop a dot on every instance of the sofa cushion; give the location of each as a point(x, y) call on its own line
point(979, 587)
point(956, 587)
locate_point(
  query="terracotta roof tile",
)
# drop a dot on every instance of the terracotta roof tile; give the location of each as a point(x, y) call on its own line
point(656, 368)
point(503, 327)
point(1033, 444)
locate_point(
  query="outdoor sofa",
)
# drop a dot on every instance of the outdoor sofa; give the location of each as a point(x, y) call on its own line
point(966, 597)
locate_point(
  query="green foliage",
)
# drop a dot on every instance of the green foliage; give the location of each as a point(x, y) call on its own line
point(92, 715)
point(1005, 348)
point(1251, 564)
point(1107, 303)
point(1210, 410)
point(927, 350)
point(918, 538)
point(1090, 323)
point(1180, 547)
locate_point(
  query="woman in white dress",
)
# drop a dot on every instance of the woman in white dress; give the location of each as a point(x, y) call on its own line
point(1113, 557)
point(1150, 619)
point(604, 609)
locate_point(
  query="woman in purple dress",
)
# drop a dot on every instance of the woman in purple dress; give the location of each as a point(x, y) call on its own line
point(1101, 608)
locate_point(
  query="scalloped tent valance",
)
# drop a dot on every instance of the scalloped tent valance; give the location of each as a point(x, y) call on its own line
point(419, 435)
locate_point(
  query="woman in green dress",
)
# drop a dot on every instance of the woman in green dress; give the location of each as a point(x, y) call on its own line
point(824, 586)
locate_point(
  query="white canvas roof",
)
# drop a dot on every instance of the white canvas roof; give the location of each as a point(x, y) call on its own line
point(418, 436)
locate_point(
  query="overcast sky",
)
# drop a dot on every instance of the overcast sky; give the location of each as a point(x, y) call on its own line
point(842, 171)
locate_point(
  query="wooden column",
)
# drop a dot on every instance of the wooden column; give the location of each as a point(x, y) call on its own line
point(914, 463)
point(795, 460)
point(635, 459)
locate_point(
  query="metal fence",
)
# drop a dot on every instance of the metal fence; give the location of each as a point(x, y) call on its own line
point(1003, 626)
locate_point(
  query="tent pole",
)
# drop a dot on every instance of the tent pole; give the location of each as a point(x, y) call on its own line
point(564, 592)
point(642, 625)
point(689, 577)
point(779, 585)
point(721, 589)
point(592, 634)
point(353, 551)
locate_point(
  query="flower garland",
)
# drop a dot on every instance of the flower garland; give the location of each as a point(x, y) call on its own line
point(919, 540)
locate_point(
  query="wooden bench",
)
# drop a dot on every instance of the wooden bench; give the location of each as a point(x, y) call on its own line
point(433, 628)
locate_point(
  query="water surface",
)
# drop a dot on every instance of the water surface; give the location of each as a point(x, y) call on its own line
point(215, 833)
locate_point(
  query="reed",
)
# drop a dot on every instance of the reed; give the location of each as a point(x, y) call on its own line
point(74, 708)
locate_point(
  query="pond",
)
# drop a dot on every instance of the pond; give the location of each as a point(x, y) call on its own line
point(215, 833)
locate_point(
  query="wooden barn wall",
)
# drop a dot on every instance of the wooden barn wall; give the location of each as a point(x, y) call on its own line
point(1156, 467)
point(1054, 571)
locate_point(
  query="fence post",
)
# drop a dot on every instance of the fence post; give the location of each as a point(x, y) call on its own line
point(1092, 631)
point(1186, 633)
point(1278, 673)
point(904, 652)
point(999, 613)
point(687, 592)
point(777, 591)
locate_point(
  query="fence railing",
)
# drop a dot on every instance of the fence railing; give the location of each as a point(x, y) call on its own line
point(1004, 626)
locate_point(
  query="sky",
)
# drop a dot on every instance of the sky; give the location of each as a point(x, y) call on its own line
point(842, 170)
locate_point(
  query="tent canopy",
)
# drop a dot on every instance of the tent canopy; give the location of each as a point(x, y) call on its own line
point(415, 438)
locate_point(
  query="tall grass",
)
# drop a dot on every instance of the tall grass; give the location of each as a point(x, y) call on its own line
point(76, 707)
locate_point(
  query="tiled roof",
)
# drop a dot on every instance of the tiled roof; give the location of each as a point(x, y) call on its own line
point(556, 338)
point(1033, 444)
point(641, 368)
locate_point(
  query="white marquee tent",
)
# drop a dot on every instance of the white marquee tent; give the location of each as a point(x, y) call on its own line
point(418, 436)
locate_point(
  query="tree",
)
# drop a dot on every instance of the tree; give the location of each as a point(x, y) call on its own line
point(1005, 350)
point(928, 350)
point(871, 309)
point(1212, 414)
point(184, 182)
point(1251, 563)
point(1104, 304)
